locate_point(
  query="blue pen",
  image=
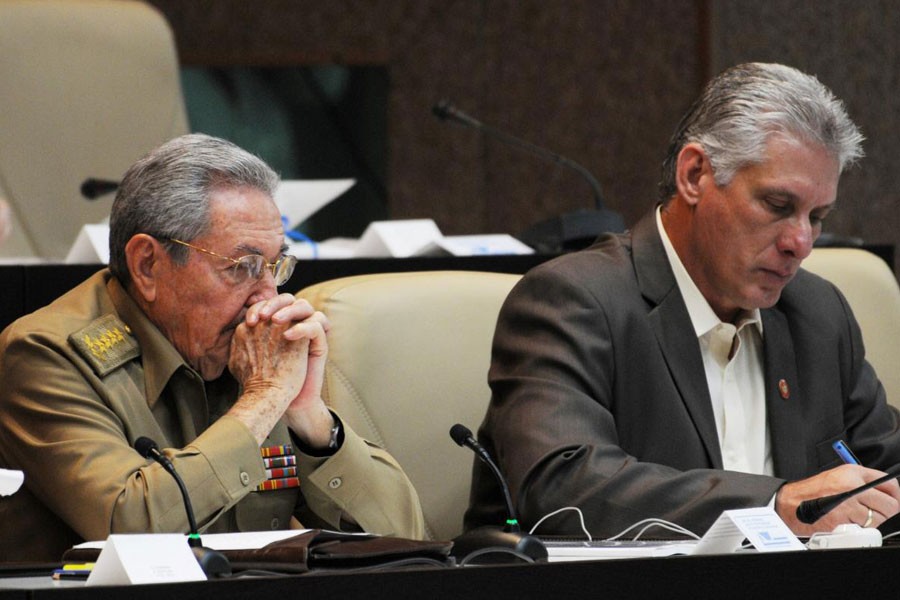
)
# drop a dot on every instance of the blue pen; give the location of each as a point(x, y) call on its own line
point(843, 450)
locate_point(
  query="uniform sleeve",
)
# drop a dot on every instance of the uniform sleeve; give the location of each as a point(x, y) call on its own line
point(361, 484)
point(71, 432)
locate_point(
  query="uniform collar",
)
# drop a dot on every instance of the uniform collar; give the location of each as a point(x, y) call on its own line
point(160, 358)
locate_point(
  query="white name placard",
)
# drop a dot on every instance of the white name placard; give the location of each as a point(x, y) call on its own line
point(762, 527)
point(145, 558)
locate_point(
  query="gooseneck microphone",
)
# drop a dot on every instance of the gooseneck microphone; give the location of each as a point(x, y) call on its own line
point(92, 188)
point(810, 511)
point(569, 231)
point(463, 437)
point(213, 563)
point(446, 111)
point(149, 449)
point(510, 537)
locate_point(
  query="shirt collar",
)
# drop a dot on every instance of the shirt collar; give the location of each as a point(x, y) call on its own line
point(703, 317)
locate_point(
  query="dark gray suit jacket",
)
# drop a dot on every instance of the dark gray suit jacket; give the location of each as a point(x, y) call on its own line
point(600, 399)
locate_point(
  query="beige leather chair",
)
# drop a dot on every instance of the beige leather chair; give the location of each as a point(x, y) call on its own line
point(874, 295)
point(87, 87)
point(408, 358)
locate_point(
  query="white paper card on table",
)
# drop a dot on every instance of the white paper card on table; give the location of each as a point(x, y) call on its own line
point(91, 246)
point(475, 245)
point(397, 239)
point(300, 199)
point(248, 540)
point(762, 527)
point(10, 481)
point(573, 551)
point(145, 558)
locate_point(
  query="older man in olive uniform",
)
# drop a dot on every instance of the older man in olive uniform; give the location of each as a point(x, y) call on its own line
point(184, 340)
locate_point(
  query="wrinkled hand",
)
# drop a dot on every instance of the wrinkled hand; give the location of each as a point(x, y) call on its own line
point(278, 355)
point(884, 499)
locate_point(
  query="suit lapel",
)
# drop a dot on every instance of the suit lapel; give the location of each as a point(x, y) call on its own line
point(671, 323)
point(783, 396)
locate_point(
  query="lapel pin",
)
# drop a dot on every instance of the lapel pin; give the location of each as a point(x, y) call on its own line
point(784, 389)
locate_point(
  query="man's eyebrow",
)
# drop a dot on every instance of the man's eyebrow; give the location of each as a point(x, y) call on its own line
point(781, 192)
point(255, 250)
point(249, 249)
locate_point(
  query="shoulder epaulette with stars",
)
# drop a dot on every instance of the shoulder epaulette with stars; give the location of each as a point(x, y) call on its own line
point(106, 344)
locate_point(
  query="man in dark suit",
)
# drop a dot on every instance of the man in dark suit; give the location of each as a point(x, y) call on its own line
point(690, 366)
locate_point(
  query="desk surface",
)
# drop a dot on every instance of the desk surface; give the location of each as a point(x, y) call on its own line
point(810, 574)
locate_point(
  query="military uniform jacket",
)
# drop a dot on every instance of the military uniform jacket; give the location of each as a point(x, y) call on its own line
point(83, 378)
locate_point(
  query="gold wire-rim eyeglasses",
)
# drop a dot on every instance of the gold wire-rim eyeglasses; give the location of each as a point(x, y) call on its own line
point(251, 266)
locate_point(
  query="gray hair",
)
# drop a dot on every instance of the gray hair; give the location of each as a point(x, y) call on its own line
point(166, 193)
point(739, 109)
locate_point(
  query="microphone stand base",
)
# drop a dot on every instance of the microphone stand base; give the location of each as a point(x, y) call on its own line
point(571, 231)
point(496, 546)
point(213, 563)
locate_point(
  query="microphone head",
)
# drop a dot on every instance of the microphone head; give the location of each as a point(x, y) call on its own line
point(146, 447)
point(442, 110)
point(460, 434)
point(445, 111)
point(809, 511)
point(92, 188)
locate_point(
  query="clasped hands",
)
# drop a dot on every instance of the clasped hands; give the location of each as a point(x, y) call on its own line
point(278, 355)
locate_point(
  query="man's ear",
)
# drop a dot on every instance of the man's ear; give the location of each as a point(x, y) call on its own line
point(143, 254)
point(693, 172)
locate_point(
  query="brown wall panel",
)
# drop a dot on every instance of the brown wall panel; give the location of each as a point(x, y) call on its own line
point(853, 48)
point(602, 82)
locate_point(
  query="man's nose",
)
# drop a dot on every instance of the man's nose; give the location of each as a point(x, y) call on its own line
point(264, 288)
point(797, 238)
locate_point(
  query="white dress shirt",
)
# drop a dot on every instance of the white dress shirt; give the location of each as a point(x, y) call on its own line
point(732, 358)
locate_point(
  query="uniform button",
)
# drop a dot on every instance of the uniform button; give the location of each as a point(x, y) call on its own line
point(245, 478)
point(335, 483)
point(275, 523)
